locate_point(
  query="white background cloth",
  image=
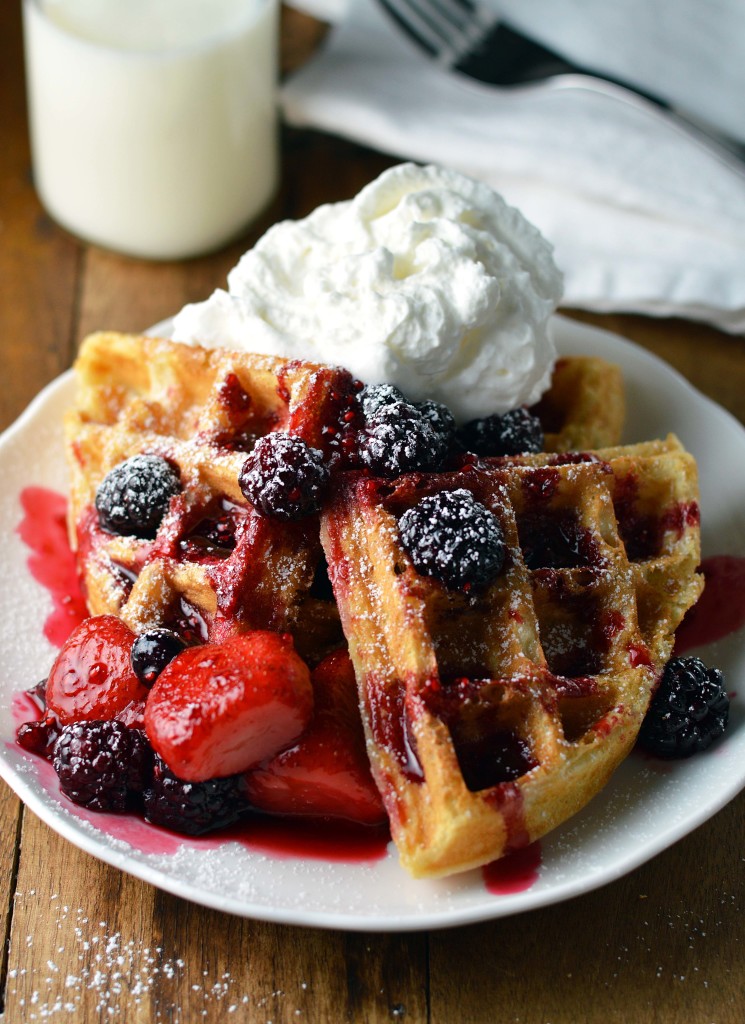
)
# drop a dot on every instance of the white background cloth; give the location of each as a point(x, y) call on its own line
point(643, 217)
point(688, 52)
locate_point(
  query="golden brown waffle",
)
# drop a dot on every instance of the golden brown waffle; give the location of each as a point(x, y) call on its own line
point(585, 406)
point(216, 565)
point(492, 716)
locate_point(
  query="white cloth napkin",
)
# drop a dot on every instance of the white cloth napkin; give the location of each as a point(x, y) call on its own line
point(643, 217)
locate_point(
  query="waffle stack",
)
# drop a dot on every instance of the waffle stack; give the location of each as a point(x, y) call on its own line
point(492, 716)
point(215, 566)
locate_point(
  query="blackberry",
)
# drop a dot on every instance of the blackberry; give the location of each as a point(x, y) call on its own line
point(399, 438)
point(38, 737)
point(102, 765)
point(514, 433)
point(193, 807)
point(152, 651)
point(428, 428)
point(689, 710)
point(442, 422)
point(375, 396)
point(134, 497)
point(453, 538)
point(284, 477)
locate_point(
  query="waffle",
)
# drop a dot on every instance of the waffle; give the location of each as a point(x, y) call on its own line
point(584, 408)
point(216, 566)
point(493, 716)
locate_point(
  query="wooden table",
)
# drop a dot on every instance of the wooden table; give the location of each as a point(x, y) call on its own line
point(84, 942)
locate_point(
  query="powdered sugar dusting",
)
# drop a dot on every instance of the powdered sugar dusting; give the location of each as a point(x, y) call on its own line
point(115, 974)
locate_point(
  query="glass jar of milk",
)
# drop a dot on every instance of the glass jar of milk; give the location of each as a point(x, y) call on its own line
point(153, 122)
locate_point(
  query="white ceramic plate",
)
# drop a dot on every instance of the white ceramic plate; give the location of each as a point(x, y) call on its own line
point(646, 807)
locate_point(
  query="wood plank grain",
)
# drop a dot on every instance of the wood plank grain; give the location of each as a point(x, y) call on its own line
point(74, 918)
point(39, 262)
point(39, 267)
point(284, 974)
point(97, 944)
point(663, 944)
point(300, 37)
point(11, 816)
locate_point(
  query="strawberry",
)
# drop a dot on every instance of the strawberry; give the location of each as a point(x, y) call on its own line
point(92, 678)
point(218, 709)
point(326, 773)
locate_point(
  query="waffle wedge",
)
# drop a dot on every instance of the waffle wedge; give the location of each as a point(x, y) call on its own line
point(493, 716)
point(215, 566)
point(585, 406)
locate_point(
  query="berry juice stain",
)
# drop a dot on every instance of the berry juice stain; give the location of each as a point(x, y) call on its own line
point(515, 872)
point(24, 709)
point(331, 841)
point(43, 529)
point(721, 608)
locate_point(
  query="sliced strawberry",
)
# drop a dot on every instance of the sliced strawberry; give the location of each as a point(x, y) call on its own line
point(326, 773)
point(219, 709)
point(92, 678)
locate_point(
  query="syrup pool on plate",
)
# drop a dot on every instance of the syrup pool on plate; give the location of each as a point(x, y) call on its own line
point(515, 872)
point(51, 562)
point(43, 529)
point(721, 608)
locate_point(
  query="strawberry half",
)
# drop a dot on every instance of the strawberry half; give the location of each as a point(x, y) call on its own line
point(219, 709)
point(326, 773)
point(92, 678)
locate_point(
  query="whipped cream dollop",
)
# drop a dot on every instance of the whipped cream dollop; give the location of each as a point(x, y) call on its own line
point(427, 279)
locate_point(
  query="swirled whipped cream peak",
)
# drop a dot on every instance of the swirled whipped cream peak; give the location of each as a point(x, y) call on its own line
point(427, 279)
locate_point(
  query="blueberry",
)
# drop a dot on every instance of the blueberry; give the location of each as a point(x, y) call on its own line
point(152, 651)
point(134, 497)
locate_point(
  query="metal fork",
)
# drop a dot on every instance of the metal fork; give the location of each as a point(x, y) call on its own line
point(448, 30)
point(462, 36)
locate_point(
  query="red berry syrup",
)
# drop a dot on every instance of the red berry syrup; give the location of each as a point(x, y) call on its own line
point(515, 872)
point(721, 608)
point(43, 529)
point(335, 841)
